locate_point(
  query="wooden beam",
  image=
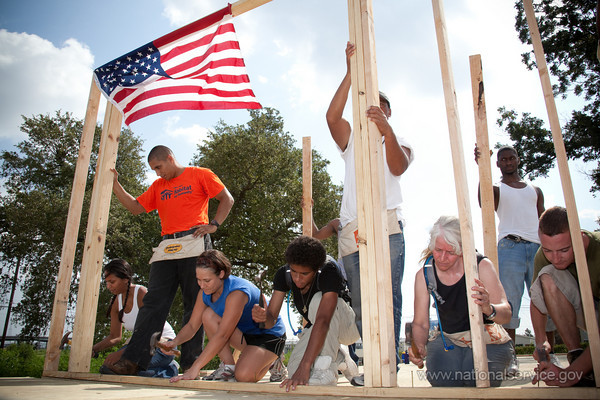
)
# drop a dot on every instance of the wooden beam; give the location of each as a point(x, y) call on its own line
point(65, 271)
point(242, 6)
point(93, 252)
point(567, 186)
point(376, 289)
point(307, 207)
point(485, 168)
point(218, 390)
point(462, 194)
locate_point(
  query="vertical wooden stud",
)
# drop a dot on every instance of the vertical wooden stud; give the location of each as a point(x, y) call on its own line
point(93, 252)
point(307, 207)
point(462, 194)
point(585, 285)
point(485, 169)
point(63, 284)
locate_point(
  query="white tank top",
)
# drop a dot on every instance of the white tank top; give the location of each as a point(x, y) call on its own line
point(130, 317)
point(517, 212)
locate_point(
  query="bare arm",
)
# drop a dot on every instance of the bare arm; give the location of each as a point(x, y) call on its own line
point(397, 157)
point(540, 201)
point(495, 188)
point(420, 324)
point(128, 201)
point(116, 329)
point(338, 127)
point(538, 321)
point(326, 231)
point(270, 314)
point(234, 307)
point(315, 342)
point(489, 291)
point(192, 326)
point(225, 203)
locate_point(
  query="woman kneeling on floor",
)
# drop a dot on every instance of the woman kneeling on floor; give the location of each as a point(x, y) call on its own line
point(449, 355)
point(224, 308)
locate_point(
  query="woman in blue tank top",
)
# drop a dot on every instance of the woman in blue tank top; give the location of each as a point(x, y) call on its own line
point(224, 308)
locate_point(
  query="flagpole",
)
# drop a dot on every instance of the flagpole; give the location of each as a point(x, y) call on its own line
point(240, 7)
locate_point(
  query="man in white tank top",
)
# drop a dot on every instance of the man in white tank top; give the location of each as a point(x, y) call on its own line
point(518, 205)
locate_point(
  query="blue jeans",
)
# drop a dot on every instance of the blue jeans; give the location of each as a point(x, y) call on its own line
point(159, 362)
point(352, 267)
point(455, 367)
point(165, 278)
point(516, 272)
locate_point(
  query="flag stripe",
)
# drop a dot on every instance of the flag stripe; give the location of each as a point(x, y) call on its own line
point(194, 27)
point(193, 45)
point(193, 105)
point(197, 67)
point(192, 65)
point(201, 82)
point(163, 95)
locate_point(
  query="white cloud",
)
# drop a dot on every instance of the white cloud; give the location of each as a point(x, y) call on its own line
point(182, 12)
point(37, 77)
point(194, 134)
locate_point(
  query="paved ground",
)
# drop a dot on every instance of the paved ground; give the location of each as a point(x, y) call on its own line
point(69, 389)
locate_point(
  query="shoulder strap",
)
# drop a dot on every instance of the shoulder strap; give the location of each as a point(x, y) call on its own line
point(430, 280)
point(288, 276)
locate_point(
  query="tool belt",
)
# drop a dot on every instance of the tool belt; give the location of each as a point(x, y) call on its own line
point(348, 235)
point(176, 248)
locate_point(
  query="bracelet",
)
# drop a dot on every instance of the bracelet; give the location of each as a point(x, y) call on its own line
point(215, 223)
point(493, 314)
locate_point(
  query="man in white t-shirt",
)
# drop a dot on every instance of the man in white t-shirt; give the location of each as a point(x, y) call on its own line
point(397, 156)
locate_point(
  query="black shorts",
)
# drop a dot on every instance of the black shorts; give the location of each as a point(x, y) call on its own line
point(274, 344)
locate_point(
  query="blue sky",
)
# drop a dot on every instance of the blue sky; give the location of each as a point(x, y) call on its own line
point(294, 52)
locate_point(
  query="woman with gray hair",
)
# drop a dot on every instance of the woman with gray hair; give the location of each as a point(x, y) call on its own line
point(449, 354)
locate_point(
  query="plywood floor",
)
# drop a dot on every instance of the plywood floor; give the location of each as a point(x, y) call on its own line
point(410, 381)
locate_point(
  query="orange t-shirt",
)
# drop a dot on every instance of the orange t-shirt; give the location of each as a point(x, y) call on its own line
point(182, 202)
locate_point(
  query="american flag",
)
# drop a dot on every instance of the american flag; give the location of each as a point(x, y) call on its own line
point(196, 67)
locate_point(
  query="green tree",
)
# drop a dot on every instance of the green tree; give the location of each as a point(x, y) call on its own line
point(263, 171)
point(38, 178)
point(569, 37)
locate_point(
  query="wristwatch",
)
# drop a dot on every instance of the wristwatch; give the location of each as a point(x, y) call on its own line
point(493, 314)
point(215, 223)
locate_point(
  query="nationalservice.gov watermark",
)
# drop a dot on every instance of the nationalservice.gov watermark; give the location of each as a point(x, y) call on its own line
point(561, 376)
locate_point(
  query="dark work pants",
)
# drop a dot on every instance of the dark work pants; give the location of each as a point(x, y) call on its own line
point(165, 277)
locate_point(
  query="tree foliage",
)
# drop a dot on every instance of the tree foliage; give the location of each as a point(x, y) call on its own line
point(569, 37)
point(38, 179)
point(257, 162)
point(262, 169)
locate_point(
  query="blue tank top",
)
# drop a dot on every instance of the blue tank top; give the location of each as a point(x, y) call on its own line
point(246, 324)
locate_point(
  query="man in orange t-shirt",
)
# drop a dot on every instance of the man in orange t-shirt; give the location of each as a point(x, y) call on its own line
point(180, 195)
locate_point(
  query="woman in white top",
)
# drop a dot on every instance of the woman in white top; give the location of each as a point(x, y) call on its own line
point(123, 310)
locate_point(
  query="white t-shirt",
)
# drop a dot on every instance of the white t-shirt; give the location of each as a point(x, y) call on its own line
point(392, 183)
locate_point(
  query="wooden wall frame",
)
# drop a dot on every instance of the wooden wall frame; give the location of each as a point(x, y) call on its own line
point(380, 374)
